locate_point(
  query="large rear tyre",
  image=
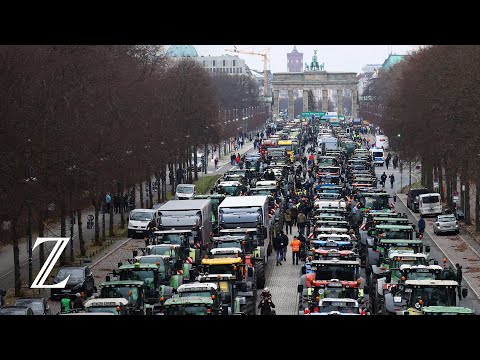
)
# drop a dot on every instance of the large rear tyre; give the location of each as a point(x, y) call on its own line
point(260, 271)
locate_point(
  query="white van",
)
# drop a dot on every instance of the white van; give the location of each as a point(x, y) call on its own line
point(430, 204)
point(185, 192)
point(138, 220)
point(378, 156)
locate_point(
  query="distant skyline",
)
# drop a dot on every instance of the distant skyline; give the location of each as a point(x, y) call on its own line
point(336, 58)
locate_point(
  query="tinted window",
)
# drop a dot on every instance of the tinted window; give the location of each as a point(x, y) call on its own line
point(431, 199)
point(74, 273)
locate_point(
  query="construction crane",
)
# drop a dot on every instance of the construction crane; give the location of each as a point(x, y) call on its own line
point(265, 54)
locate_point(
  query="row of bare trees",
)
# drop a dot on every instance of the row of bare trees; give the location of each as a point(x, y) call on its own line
point(79, 121)
point(428, 104)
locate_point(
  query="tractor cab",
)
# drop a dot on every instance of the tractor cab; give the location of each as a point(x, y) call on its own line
point(413, 295)
point(132, 291)
point(194, 305)
point(116, 306)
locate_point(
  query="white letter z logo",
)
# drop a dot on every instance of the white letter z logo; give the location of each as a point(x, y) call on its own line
point(47, 267)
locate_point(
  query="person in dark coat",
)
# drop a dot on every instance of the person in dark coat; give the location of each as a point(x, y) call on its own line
point(459, 279)
point(278, 247)
point(266, 304)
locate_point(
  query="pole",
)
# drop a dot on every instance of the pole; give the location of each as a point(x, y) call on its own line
point(206, 158)
point(72, 257)
point(30, 256)
point(103, 221)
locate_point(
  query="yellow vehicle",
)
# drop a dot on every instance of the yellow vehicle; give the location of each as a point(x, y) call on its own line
point(287, 144)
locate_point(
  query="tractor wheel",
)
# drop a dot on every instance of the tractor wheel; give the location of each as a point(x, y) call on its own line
point(250, 306)
point(260, 271)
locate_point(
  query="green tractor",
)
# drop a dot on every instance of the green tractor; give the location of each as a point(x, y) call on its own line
point(412, 296)
point(192, 305)
point(157, 283)
point(133, 291)
point(180, 266)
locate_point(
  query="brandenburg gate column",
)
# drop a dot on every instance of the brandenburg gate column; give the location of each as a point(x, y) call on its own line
point(305, 100)
point(276, 103)
point(339, 102)
point(324, 100)
point(291, 114)
point(354, 103)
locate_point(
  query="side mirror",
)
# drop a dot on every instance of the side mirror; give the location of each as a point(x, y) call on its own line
point(300, 288)
point(427, 248)
point(464, 292)
point(304, 270)
point(388, 277)
point(135, 253)
point(119, 264)
point(107, 278)
point(114, 272)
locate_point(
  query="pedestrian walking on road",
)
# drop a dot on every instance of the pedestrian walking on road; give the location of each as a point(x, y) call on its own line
point(421, 225)
point(108, 200)
point(459, 279)
point(278, 247)
point(392, 180)
point(284, 244)
point(288, 221)
point(237, 159)
point(301, 221)
point(116, 203)
point(383, 178)
point(395, 161)
point(295, 244)
point(216, 163)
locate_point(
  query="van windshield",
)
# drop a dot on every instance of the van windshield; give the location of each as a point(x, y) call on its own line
point(432, 199)
point(141, 216)
point(377, 153)
point(185, 189)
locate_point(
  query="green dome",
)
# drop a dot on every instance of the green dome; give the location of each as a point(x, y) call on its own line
point(182, 51)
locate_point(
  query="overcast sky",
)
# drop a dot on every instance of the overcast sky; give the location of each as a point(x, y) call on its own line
point(337, 58)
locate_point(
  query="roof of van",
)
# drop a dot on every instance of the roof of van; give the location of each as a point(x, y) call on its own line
point(242, 201)
point(184, 204)
point(429, 194)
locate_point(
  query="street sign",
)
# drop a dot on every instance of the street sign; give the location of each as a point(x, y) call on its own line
point(455, 193)
point(463, 187)
point(310, 114)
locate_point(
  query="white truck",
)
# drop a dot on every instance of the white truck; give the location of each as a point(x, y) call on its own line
point(247, 212)
point(195, 215)
point(381, 142)
point(378, 156)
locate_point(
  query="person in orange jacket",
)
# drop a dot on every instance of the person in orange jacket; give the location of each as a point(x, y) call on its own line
point(295, 244)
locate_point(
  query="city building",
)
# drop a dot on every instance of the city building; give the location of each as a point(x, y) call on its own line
point(224, 64)
point(295, 61)
point(392, 60)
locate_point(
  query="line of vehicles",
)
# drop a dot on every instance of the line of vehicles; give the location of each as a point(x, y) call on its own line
point(206, 256)
point(362, 257)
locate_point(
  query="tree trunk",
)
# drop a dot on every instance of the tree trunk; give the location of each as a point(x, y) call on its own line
point(122, 212)
point(195, 160)
point(477, 201)
point(97, 223)
point(81, 242)
point(440, 180)
point(103, 222)
point(468, 217)
point(16, 260)
point(429, 176)
point(174, 172)
point(41, 228)
point(157, 182)
point(448, 180)
point(150, 194)
point(110, 227)
point(141, 195)
point(63, 228)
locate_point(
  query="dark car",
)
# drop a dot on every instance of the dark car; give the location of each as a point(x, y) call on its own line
point(16, 310)
point(412, 198)
point(38, 305)
point(80, 280)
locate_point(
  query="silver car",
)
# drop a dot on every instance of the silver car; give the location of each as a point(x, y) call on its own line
point(445, 224)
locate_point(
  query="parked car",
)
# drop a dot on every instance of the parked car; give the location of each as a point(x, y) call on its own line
point(16, 310)
point(445, 224)
point(430, 204)
point(38, 305)
point(185, 192)
point(413, 198)
point(80, 280)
